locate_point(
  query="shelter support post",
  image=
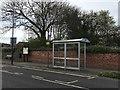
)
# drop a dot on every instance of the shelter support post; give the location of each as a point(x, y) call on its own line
point(79, 55)
point(53, 50)
point(84, 55)
point(65, 55)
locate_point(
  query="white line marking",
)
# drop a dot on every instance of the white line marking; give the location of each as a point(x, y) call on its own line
point(72, 82)
point(71, 74)
point(16, 73)
point(67, 82)
point(57, 82)
point(15, 66)
point(78, 75)
point(37, 77)
point(10, 66)
point(91, 78)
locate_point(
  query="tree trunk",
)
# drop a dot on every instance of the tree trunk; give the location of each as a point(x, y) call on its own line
point(43, 35)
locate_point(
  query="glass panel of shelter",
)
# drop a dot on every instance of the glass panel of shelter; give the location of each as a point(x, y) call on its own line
point(59, 54)
point(62, 56)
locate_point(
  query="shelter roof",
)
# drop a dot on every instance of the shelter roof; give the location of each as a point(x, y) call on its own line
point(83, 40)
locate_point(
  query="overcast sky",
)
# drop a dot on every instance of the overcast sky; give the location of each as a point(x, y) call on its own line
point(95, 5)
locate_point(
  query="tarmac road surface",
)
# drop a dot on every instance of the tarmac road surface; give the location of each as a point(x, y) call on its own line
point(24, 77)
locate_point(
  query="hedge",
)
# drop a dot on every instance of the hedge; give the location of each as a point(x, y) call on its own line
point(102, 49)
point(90, 49)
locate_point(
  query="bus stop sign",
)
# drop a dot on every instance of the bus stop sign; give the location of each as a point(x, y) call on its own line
point(13, 41)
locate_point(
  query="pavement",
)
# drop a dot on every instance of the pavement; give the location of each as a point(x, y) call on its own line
point(87, 71)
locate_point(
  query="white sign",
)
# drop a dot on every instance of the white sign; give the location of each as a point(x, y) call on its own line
point(25, 50)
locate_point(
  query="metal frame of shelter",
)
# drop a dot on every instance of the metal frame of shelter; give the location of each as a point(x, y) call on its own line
point(65, 42)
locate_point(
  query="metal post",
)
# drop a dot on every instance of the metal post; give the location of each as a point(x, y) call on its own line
point(84, 55)
point(23, 57)
point(53, 55)
point(79, 55)
point(64, 55)
point(48, 56)
point(12, 35)
point(48, 43)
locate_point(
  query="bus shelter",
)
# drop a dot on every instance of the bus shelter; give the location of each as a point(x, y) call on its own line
point(64, 58)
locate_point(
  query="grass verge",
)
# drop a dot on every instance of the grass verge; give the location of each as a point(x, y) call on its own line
point(115, 75)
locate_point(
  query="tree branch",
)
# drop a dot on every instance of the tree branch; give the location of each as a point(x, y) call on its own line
point(30, 21)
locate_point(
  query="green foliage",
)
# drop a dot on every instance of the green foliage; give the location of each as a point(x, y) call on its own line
point(99, 27)
point(20, 46)
point(4, 53)
point(90, 49)
point(37, 43)
point(102, 49)
point(110, 74)
point(41, 49)
point(34, 43)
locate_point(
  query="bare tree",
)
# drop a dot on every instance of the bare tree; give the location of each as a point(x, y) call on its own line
point(37, 17)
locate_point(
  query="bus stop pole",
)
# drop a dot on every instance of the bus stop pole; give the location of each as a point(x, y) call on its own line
point(12, 35)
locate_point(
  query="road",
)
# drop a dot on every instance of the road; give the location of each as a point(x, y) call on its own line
point(24, 77)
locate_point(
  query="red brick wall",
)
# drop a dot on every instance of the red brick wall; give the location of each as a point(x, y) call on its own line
point(103, 61)
point(99, 61)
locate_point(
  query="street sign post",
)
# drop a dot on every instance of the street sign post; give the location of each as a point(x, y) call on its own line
point(13, 44)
